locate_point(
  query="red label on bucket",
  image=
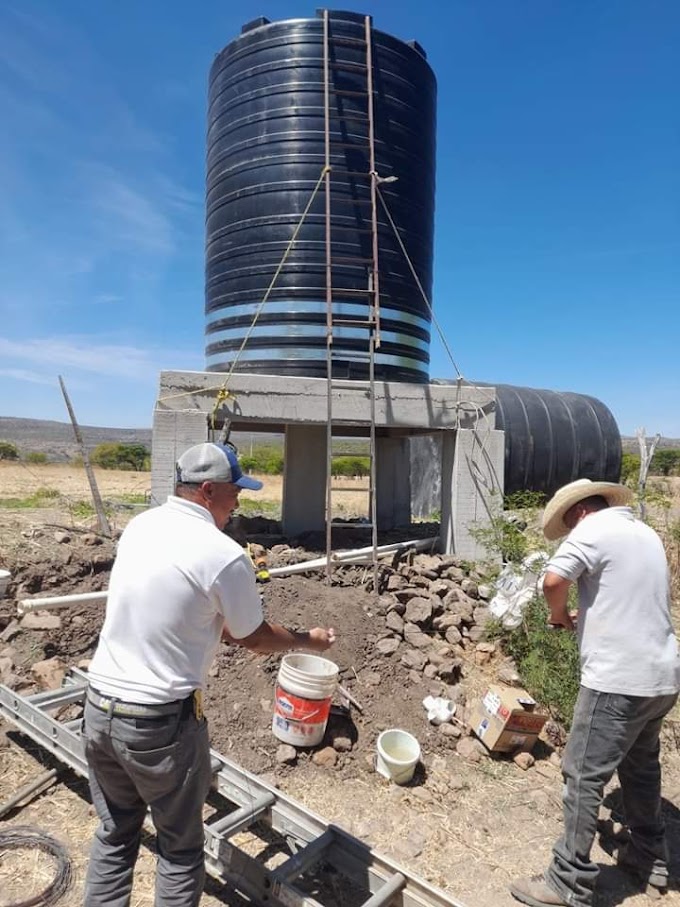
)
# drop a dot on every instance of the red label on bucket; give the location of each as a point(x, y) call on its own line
point(295, 708)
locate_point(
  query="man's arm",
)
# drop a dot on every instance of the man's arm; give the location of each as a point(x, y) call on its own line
point(556, 592)
point(275, 638)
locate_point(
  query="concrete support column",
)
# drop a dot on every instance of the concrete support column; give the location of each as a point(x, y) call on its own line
point(304, 479)
point(472, 488)
point(173, 433)
point(393, 482)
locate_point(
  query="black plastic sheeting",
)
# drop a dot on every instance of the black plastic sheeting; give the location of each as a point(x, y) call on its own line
point(265, 153)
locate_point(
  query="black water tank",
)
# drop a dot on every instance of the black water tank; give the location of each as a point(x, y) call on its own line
point(265, 153)
point(555, 437)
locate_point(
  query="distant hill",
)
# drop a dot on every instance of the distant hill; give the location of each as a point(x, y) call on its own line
point(630, 445)
point(57, 441)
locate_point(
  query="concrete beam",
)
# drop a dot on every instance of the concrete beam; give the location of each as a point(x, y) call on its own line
point(282, 400)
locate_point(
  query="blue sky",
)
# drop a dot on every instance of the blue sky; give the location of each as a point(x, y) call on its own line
point(557, 259)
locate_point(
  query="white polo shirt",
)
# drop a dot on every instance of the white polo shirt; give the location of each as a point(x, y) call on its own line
point(626, 639)
point(176, 582)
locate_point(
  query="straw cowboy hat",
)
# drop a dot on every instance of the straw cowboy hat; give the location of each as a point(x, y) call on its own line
point(554, 526)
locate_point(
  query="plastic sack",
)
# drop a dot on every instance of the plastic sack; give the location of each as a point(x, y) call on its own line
point(515, 587)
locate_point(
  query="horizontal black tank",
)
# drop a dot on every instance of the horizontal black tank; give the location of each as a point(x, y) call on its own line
point(551, 438)
point(555, 437)
point(265, 154)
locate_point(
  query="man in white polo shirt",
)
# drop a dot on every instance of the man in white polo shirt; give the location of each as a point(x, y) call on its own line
point(629, 681)
point(177, 586)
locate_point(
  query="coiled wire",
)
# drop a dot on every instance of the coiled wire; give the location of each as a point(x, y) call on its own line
point(24, 836)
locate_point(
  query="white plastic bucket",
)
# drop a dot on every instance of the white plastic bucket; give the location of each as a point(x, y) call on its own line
point(302, 702)
point(5, 577)
point(398, 755)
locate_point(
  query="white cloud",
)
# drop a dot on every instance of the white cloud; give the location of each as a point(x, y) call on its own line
point(87, 354)
point(20, 374)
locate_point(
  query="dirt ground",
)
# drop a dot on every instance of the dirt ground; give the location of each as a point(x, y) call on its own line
point(467, 827)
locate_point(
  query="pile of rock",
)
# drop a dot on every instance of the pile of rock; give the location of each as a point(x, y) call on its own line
point(435, 609)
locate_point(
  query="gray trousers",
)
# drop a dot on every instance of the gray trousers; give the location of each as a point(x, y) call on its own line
point(610, 732)
point(162, 763)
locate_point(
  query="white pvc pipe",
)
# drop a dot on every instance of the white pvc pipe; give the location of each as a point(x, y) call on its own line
point(59, 601)
point(353, 556)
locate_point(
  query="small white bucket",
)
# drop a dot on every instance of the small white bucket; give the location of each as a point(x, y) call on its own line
point(5, 577)
point(302, 702)
point(398, 755)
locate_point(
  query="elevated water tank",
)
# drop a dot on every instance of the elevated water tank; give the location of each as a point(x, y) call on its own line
point(265, 154)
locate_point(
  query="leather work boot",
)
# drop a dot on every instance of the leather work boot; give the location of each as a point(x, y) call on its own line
point(536, 892)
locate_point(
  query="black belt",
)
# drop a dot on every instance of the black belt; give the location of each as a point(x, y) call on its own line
point(120, 709)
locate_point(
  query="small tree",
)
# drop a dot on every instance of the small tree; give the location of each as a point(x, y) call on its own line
point(665, 462)
point(111, 455)
point(8, 451)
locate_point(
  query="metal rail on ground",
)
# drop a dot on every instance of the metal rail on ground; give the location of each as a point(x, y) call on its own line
point(315, 843)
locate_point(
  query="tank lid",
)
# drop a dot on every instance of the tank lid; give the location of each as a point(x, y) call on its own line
point(255, 23)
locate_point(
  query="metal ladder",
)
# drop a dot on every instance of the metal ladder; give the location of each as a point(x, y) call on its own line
point(372, 292)
point(244, 801)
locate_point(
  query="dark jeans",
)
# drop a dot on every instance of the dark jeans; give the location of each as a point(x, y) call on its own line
point(162, 763)
point(610, 732)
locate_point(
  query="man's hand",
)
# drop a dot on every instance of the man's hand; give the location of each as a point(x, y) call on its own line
point(556, 592)
point(321, 639)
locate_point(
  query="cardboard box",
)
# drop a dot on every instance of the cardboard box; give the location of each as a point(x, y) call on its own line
point(505, 720)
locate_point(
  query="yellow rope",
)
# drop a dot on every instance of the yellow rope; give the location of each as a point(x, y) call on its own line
point(223, 394)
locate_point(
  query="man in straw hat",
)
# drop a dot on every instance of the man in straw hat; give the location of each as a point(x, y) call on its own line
point(629, 681)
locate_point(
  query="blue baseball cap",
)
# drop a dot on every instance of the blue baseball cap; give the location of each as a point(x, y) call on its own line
point(212, 463)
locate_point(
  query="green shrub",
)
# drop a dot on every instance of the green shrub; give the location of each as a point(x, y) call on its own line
point(36, 457)
point(111, 455)
point(547, 660)
point(8, 451)
point(351, 466)
point(266, 461)
point(630, 468)
point(665, 462)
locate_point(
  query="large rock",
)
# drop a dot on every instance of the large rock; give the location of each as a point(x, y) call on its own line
point(49, 673)
point(394, 621)
point(470, 587)
point(40, 620)
point(414, 636)
point(326, 758)
point(442, 622)
point(449, 671)
point(395, 582)
point(407, 593)
point(414, 659)
point(453, 635)
point(419, 611)
point(440, 587)
point(387, 646)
